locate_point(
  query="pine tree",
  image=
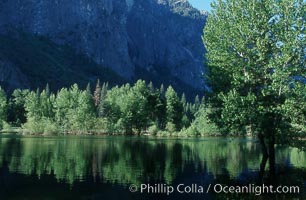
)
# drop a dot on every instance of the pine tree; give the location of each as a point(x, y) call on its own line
point(151, 87)
point(97, 94)
point(47, 89)
point(184, 102)
point(162, 90)
point(88, 88)
point(102, 101)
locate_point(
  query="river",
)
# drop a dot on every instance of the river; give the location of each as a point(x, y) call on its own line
point(118, 167)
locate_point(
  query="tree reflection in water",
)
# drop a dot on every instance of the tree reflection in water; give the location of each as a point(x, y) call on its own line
point(121, 161)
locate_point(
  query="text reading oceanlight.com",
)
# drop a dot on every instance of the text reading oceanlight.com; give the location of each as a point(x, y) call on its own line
point(216, 188)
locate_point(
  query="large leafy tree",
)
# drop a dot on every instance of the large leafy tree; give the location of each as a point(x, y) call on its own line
point(128, 107)
point(80, 111)
point(62, 108)
point(256, 58)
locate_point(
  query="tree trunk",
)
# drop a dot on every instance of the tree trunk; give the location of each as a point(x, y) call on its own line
point(272, 154)
point(263, 145)
point(262, 168)
point(265, 156)
point(272, 132)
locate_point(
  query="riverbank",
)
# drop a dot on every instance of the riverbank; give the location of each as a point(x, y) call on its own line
point(12, 130)
point(155, 133)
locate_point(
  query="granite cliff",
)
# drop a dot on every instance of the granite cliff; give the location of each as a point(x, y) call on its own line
point(158, 40)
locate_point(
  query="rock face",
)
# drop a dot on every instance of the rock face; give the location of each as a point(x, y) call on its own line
point(94, 27)
point(167, 34)
point(10, 72)
point(124, 35)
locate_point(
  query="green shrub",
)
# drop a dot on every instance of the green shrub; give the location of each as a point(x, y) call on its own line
point(153, 129)
point(202, 124)
point(101, 125)
point(170, 127)
point(188, 132)
point(163, 134)
point(6, 126)
point(40, 127)
point(50, 128)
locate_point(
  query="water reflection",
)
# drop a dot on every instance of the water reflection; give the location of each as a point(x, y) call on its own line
point(122, 161)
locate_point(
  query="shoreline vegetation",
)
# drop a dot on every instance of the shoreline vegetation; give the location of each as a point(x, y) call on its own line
point(140, 109)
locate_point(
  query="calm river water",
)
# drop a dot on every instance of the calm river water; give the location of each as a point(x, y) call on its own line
point(80, 167)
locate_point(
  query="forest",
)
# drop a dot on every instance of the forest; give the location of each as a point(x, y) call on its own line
point(126, 110)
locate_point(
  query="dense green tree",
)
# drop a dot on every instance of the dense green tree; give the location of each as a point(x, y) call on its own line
point(80, 112)
point(3, 107)
point(102, 104)
point(184, 102)
point(135, 109)
point(97, 94)
point(255, 53)
point(142, 92)
point(61, 107)
point(137, 106)
point(17, 113)
point(295, 109)
point(160, 110)
point(196, 105)
point(47, 104)
point(197, 101)
point(32, 105)
point(162, 90)
point(114, 101)
point(151, 87)
point(40, 114)
point(72, 112)
point(127, 109)
point(187, 117)
point(47, 89)
point(202, 123)
point(174, 107)
point(39, 105)
point(156, 107)
point(85, 111)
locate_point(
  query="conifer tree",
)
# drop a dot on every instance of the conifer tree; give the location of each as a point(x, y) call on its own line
point(102, 101)
point(97, 94)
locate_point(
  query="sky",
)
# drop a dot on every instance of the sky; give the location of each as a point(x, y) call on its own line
point(201, 4)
